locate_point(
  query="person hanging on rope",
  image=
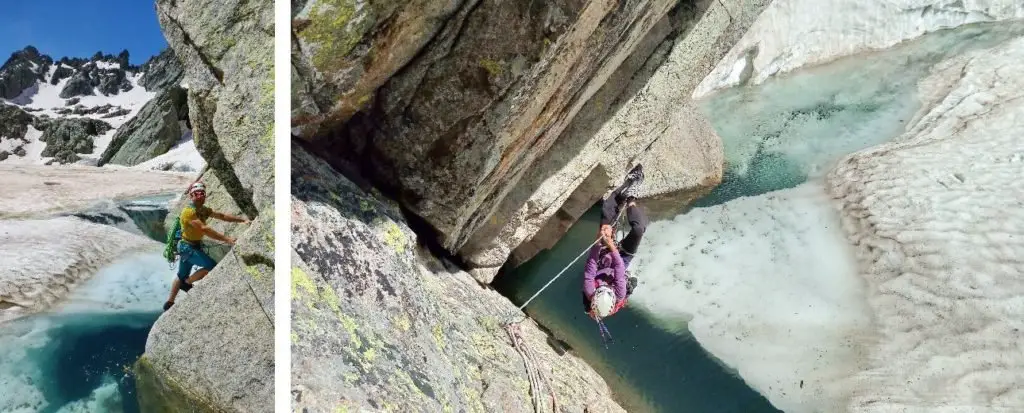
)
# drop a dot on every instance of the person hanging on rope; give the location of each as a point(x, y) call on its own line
point(186, 238)
point(606, 283)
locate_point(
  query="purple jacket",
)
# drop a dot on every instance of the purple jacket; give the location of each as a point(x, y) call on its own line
point(606, 267)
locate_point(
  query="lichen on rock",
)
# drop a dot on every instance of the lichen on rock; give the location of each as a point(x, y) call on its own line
point(410, 333)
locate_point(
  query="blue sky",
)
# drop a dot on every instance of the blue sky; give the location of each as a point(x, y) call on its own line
point(81, 28)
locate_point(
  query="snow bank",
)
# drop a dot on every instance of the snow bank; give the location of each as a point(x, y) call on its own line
point(769, 285)
point(183, 157)
point(938, 218)
point(45, 259)
point(33, 191)
point(794, 34)
point(891, 282)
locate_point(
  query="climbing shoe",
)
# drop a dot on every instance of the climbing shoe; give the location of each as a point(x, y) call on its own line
point(634, 179)
point(167, 305)
point(185, 286)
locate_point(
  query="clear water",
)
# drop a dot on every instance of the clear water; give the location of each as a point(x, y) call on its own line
point(77, 356)
point(648, 368)
point(74, 362)
point(776, 137)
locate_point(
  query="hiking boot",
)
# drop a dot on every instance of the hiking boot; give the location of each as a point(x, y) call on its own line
point(168, 305)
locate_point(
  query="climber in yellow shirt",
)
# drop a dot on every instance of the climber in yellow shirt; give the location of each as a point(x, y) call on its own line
point(190, 249)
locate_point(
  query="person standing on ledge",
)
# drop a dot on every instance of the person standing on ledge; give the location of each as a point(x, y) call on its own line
point(606, 284)
point(192, 224)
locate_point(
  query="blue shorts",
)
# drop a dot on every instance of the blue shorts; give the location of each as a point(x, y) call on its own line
point(189, 255)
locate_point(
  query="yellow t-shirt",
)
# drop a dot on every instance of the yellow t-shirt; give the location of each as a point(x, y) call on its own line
point(188, 214)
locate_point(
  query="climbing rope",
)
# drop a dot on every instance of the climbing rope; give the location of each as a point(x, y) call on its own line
point(253, 291)
point(615, 227)
point(536, 378)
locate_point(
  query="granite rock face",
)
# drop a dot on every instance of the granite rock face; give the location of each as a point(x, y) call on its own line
point(643, 114)
point(223, 360)
point(152, 132)
point(451, 133)
point(162, 71)
point(379, 324)
point(14, 122)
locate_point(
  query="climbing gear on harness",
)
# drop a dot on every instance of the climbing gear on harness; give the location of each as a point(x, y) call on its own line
point(606, 336)
point(171, 247)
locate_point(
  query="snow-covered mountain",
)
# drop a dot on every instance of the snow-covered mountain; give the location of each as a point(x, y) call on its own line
point(95, 111)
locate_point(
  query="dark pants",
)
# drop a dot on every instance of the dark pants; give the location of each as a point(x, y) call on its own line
point(637, 222)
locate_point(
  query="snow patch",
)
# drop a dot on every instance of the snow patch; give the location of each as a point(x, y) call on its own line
point(45, 259)
point(135, 282)
point(794, 34)
point(33, 191)
point(183, 157)
point(33, 149)
point(938, 220)
point(769, 285)
point(107, 65)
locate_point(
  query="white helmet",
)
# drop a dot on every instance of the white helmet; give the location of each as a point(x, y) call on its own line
point(198, 186)
point(603, 301)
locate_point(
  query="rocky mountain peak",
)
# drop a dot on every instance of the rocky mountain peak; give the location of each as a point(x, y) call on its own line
point(162, 71)
point(22, 70)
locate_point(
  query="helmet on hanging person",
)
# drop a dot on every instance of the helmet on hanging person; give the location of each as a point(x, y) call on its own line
point(603, 301)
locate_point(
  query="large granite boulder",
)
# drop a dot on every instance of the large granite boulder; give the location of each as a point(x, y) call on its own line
point(78, 85)
point(643, 114)
point(152, 132)
point(14, 122)
point(214, 351)
point(223, 360)
point(226, 49)
point(492, 87)
point(378, 324)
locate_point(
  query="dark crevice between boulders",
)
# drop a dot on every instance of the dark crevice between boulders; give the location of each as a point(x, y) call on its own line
point(205, 138)
point(217, 73)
